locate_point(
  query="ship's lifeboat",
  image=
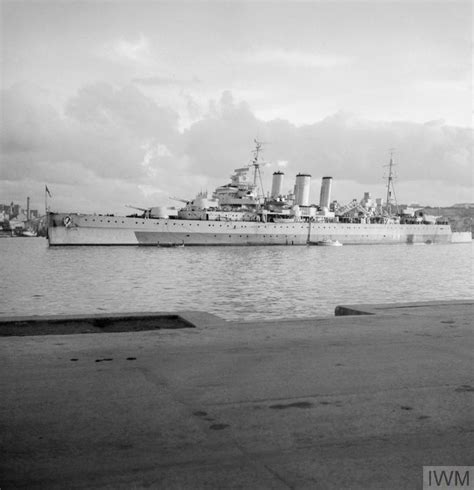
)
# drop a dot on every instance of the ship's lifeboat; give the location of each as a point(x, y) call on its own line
point(327, 243)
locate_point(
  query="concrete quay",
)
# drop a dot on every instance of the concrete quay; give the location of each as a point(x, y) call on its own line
point(360, 401)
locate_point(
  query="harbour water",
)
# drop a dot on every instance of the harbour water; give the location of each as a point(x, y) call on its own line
point(236, 283)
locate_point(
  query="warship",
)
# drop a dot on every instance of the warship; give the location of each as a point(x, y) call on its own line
point(238, 213)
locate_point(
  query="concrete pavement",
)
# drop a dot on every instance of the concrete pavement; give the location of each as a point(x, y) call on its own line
point(346, 402)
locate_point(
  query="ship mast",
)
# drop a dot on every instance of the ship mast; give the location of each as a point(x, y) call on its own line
point(256, 165)
point(390, 186)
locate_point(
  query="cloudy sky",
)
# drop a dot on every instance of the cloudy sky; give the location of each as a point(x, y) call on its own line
point(112, 103)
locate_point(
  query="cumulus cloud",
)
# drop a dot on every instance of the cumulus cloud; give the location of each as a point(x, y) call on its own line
point(343, 145)
point(102, 133)
point(356, 148)
point(111, 146)
point(101, 105)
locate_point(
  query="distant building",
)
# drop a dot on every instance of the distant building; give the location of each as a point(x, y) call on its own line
point(15, 210)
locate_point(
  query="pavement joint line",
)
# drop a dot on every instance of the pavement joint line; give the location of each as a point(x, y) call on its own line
point(277, 476)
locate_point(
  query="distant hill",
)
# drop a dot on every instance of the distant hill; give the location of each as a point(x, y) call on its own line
point(463, 205)
point(460, 217)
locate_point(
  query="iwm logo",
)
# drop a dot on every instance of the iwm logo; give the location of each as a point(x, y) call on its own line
point(448, 477)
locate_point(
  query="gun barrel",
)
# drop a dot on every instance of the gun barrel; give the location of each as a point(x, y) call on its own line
point(179, 199)
point(135, 207)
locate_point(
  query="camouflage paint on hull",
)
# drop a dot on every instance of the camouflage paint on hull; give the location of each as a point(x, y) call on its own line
point(82, 229)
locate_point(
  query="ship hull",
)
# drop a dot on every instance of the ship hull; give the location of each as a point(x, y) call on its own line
point(82, 229)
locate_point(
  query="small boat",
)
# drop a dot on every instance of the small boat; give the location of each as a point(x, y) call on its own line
point(327, 243)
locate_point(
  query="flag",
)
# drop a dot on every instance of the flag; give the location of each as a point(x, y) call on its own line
point(47, 191)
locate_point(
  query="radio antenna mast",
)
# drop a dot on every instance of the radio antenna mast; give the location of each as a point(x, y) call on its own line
point(256, 164)
point(391, 197)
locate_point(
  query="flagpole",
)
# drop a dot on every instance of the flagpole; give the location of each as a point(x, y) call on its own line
point(46, 207)
point(46, 210)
